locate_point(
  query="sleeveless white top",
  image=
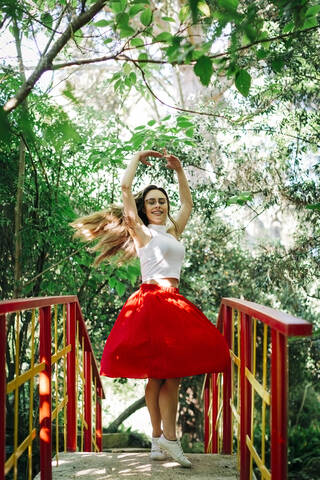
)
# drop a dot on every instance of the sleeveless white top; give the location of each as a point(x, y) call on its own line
point(163, 255)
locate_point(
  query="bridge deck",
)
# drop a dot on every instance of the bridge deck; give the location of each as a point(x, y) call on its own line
point(137, 465)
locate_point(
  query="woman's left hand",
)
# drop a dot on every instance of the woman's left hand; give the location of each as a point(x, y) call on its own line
point(173, 162)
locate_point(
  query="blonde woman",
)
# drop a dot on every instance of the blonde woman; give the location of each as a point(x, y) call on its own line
point(159, 334)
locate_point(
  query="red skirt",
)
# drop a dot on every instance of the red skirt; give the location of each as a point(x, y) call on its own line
point(161, 334)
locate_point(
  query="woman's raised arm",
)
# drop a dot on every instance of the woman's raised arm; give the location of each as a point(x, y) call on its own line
point(184, 193)
point(129, 204)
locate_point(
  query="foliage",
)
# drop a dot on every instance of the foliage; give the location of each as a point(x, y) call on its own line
point(254, 155)
point(145, 34)
point(304, 452)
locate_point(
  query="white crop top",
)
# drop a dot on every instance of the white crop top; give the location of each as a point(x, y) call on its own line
point(163, 255)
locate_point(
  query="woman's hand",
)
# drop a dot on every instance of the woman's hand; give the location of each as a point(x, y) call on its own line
point(173, 162)
point(148, 153)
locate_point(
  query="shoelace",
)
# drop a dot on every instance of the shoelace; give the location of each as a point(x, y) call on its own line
point(181, 453)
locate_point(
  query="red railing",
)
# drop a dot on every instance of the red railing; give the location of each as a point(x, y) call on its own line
point(66, 360)
point(229, 399)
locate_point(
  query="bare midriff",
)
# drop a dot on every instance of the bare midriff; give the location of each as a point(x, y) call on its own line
point(164, 282)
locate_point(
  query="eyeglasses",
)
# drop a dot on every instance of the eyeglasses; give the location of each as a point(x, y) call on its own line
point(153, 201)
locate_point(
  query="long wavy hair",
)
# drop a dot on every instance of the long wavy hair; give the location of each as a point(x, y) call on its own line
point(112, 229)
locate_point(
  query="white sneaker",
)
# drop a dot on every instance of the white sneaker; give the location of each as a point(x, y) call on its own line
point(156, 452)
point(174, 449)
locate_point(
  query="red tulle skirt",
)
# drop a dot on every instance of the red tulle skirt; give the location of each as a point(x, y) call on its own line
point(161, 334)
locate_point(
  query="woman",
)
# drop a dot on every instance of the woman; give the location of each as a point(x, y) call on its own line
point(159, 334)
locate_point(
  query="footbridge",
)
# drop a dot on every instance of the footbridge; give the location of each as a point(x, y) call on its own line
point(60, 387)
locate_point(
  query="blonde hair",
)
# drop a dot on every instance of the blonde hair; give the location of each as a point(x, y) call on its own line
point(112, 229)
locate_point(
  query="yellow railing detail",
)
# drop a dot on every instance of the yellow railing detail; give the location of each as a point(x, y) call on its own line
point(264, 383)
point(253, 380)
point(264, 394)
point(65, 397)
point(266, 475)
point(55, 360)
point(16, 395)
point(210, 413)
point(257, 387)
point(31, 395)
point(235, 361)
point(12, 460)
point(218, 425)
point(34, 322)
point(24, 377)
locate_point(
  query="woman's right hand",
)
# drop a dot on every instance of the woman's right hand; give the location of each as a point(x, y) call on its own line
point(148, 153)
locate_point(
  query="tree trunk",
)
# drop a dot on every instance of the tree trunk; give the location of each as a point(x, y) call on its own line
point(20, 183)
point(113, 427)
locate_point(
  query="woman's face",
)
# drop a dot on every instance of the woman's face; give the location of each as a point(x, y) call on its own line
point(156, 207)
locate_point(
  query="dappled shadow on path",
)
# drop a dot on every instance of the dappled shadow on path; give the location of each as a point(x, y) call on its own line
point(137, 465)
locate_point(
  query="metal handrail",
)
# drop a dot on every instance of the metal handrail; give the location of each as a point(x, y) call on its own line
point(76, 349)
point(233, 392)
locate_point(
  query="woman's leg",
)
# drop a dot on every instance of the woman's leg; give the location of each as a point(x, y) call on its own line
point(152, 401)
point(168, 403)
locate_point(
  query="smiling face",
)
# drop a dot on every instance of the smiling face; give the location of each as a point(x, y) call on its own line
point(156, 207)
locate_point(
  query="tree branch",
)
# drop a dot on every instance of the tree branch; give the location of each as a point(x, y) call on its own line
point(113, 427)
point(117, 56)
point(55, 264)
point(45, 62)
point(54, 31)
point(173, 106)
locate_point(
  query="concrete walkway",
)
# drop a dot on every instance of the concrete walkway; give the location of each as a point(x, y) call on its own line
point(136, 464)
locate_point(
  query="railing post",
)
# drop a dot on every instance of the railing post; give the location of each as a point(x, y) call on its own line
point(245, 395)
point(215, 408)
point(3, 341)
point(227, 427)
point(71, 379)
point(87, 402)
point(279, 406)
point(206, 411)
point(45, 395)
point(99, 419)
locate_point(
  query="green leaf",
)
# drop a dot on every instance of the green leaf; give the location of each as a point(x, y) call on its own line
point(4, 125)
point(146, 17)
point(228, 4)
point(189, 132)
point(126, 31)
point(135, 9)
point(289, 27)
point(151, 123)
point(164, 119)
point(261, 53)
point(313, 206)
point(47, 19)
point(240, 199)
point(203, 69)
point(309, 23)
point(312, 11)
point(102, 23)
point(122, 20)
point(204, 8)
point(168, 19)
point(163, 37)
point(107, 40)
point(243, 82)
point(118, 7)
point(133, 78)
point(184, 13)
point(277, 65)
point(189, 142)
point(143, 56)
point(137, 42)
